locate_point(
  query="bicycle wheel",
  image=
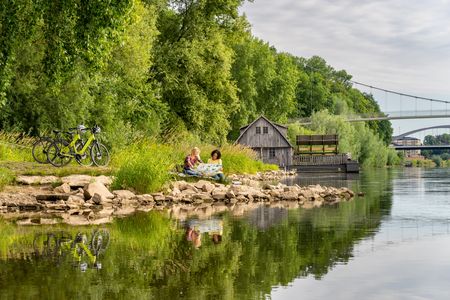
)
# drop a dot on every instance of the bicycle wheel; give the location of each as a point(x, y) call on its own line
point(55, 156)
point(39, 150)
point(100, 241)
point(45, 244)
point(85, 158)
point(99, 155)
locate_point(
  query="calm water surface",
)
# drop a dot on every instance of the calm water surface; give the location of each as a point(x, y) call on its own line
point(393, 243)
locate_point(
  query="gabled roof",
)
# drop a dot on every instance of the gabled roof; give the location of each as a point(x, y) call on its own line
point(273, 123)
point(270, 122)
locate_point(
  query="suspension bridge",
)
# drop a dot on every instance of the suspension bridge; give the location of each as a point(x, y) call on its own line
point(408, 106)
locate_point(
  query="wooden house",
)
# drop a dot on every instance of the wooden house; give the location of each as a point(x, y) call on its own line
point(269, 140)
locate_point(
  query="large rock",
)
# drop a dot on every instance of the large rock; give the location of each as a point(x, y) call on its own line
point(75, 202)
point(76, 181)
point(219, 195)
point(35, 180)
point(204, 186)
point(98, 199)
point(52, 197)
point(96, 188)
point(63, 189)
point(106, 180)
point(124, 194)
point(158, 196)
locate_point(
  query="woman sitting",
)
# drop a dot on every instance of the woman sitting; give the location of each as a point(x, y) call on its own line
point(216, 160)
point(191, 161)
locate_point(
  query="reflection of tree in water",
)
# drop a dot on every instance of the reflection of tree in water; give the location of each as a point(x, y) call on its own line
point(150, 257)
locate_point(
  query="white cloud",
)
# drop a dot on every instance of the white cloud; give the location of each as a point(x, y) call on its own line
point(400, 45)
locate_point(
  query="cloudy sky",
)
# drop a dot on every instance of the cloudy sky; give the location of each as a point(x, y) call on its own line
point(398, 44)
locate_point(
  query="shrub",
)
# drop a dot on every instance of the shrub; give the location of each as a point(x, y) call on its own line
point(437, 160)
point(143, 167)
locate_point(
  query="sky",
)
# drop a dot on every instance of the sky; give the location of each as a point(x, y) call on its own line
point(397, 45)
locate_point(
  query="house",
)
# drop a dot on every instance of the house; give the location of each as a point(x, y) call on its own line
point(409, 141)
point(269, 140)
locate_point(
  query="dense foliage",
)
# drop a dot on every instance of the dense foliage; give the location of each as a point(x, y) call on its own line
point(355, 138)
point(156, 67)
point(441, 139)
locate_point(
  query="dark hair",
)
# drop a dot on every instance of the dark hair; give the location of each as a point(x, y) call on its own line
point(217, 238)
point(219, 155)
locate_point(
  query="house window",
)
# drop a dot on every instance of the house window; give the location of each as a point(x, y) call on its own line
point(265, 130)
point(271, 152)
point(258, 130)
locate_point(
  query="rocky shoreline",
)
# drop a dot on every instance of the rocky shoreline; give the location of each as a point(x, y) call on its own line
point(85, 200)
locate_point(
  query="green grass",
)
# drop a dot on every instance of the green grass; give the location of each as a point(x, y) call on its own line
point(15, 147)
point(6, 177)
point(33, 168)
point(144, 167)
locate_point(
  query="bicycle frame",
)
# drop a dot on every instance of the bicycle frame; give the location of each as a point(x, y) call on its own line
point(66, 149)
point(92, 258)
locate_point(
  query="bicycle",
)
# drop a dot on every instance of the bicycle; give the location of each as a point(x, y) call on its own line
point(40, 146)
point(59, 244)
point(61, 152)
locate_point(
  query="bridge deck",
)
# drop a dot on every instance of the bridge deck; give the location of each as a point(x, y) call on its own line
point(422, 147)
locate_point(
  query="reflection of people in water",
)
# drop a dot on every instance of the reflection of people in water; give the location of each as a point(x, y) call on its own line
point(196, 227)
point(194, 236)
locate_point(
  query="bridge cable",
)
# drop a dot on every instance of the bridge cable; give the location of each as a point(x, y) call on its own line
point(386, 90)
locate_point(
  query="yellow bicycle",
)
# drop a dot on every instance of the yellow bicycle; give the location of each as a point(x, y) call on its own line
point(61, 152)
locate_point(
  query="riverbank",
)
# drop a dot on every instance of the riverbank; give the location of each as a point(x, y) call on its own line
point(84, 199)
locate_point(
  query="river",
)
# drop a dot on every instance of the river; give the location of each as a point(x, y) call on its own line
point(391, 243)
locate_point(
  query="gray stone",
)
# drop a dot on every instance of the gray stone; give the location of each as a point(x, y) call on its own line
point(97, 188)
point(219, 195)
point(230, 194)
point(97, 199)
point(52, 197)
point(124, 194)
point(158, 196)
point(76, 181)
point(63, 189)
point(105, 180)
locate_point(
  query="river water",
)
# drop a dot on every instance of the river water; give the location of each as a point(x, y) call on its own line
point(392, 243)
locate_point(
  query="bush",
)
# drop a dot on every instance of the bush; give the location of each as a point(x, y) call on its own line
point(239, 159)
point(143, 167)
point(437, 160)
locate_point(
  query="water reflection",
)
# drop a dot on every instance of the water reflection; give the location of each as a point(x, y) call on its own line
point(82, 249)
point(195, 228)
point(198, 253)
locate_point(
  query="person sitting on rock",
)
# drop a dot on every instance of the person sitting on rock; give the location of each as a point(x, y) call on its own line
point(216, 160)
point(191, 161)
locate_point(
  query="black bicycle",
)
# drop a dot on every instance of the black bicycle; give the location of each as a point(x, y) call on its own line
point(42, 144)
